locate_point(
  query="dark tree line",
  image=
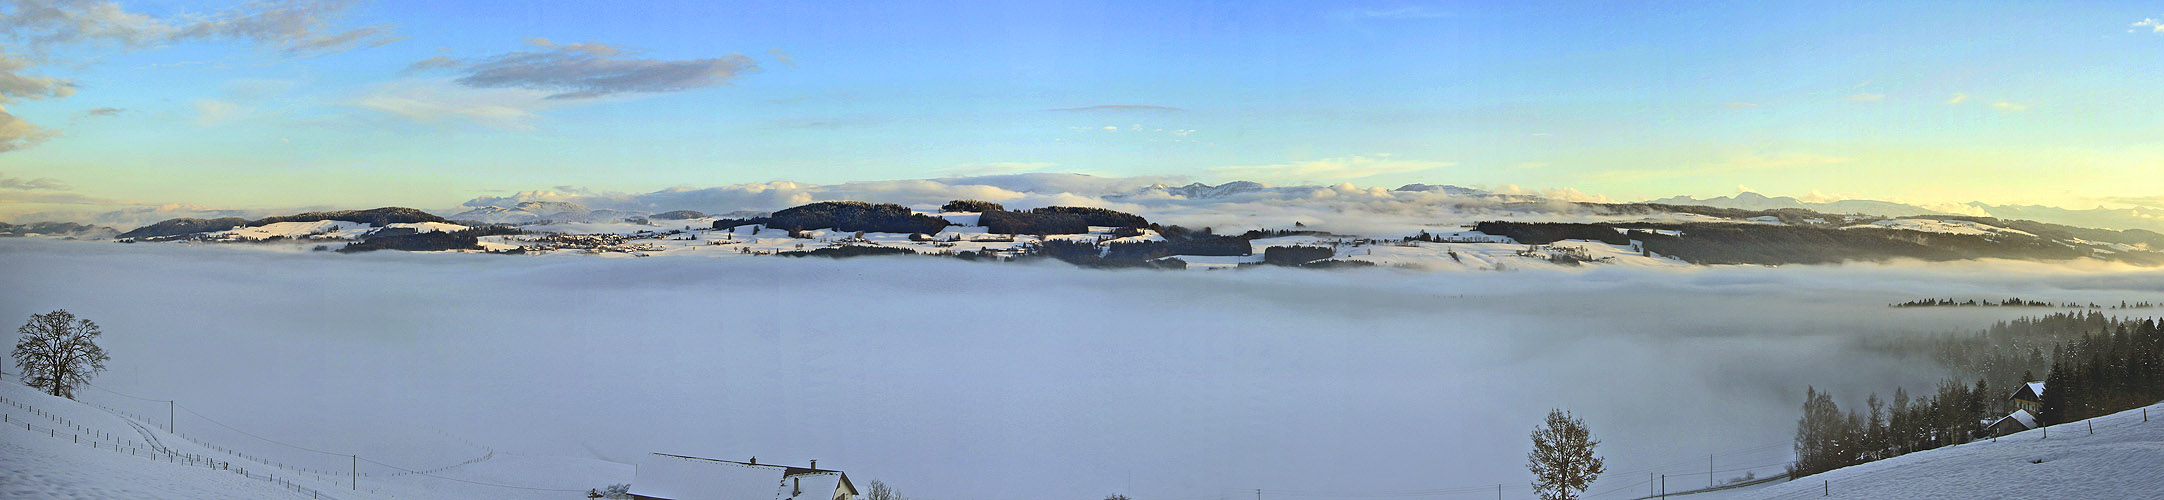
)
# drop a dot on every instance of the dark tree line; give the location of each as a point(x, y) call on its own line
point(846, 251)
point(971, 206)
point(1294, 255)
point(847, 216)
point(1057, 220)
point(378, 217)
point(1828, 438)
point(2104, 373)
point(1721, 243)
point(2098, 365)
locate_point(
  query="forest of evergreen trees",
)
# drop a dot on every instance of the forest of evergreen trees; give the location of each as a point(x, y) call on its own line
point(1725, 243)
point(1056, 220)
point(2019, 302)
point(845, 216)
point(2098, 365)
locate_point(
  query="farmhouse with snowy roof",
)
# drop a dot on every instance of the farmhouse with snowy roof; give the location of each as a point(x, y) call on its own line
point(676, 477)
point(2029, 396)
point(2019, 420)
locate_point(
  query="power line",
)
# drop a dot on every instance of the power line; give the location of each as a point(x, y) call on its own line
point(192, 411)
point(126, 395)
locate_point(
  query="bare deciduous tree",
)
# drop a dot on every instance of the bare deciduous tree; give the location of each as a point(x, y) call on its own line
point(1562, 460)
point(58, 352)
point(879, 491)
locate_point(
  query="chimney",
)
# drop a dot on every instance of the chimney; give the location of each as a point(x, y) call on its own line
point(815, 463)
point(755, 460)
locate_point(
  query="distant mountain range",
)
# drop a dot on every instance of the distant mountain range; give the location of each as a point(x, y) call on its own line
point(530, 212)
point(1755, 201)
point(57, 230)
point(2135, 218)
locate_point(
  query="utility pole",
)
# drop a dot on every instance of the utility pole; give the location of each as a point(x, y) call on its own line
point(355, 481)
point(169, 424)
point(1258, 493)
point(1709, 470)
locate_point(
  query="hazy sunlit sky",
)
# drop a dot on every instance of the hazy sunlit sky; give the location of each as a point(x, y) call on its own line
point(428, 103)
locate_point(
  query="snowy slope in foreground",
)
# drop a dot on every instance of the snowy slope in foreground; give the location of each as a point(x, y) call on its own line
point(2123, 459)
point(69, 453)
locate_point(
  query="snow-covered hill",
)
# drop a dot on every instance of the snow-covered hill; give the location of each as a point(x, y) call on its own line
point(2114, 456)
point(56, 448)
point(1754, 201)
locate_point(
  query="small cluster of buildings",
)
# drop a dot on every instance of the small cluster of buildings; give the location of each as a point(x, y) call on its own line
point(676, 477)
point(2028, 403)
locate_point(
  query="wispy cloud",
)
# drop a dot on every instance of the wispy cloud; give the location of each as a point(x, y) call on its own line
point(16, 86)
point(38, 184)
point(1328, 169)
point(39, 29)
point(588, 70)
point(16, 134)
point(2009, 107)
point(295, 27)
point(2151, 24)
point(1744, 105)
point(440, 102)
point(1957, 98)
point(1120, 107)
point(781, 57)
point(105, 111)
point(1864, 96)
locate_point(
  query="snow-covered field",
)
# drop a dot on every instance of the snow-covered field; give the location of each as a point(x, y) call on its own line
point(2113, 456)
point(960, 381)
point(1970, 228)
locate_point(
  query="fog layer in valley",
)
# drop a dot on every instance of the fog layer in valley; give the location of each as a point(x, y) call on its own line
point(963, 381)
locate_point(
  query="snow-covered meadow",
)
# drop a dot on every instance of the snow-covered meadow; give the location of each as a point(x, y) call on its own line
point(960, 381)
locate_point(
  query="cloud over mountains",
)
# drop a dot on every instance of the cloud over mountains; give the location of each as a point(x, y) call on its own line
point(1243, 205)
point(588, 70)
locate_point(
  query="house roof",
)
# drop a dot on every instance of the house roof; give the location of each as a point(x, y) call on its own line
point(2022, 416)
point(678, 477)
point(2033, 389)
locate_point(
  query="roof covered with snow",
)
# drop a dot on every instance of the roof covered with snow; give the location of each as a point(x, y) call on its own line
point(2031, 390)
point(2027, 421)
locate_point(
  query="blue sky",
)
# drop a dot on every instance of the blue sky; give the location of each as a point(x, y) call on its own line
point(1921, 102)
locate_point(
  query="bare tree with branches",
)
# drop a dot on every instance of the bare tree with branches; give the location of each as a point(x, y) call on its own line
point(58, 352)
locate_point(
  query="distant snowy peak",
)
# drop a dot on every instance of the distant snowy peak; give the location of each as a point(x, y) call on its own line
point(527, 212)
point(1754, 201)
point(57, 230)
point(1200, 191)
point(1445, 189)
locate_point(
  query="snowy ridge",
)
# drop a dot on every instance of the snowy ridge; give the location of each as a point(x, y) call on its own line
point(1948, 226)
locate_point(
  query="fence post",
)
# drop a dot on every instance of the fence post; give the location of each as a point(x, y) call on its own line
point(1826, 488)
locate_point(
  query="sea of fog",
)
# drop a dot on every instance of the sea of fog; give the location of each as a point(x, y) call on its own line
point(969, 381)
